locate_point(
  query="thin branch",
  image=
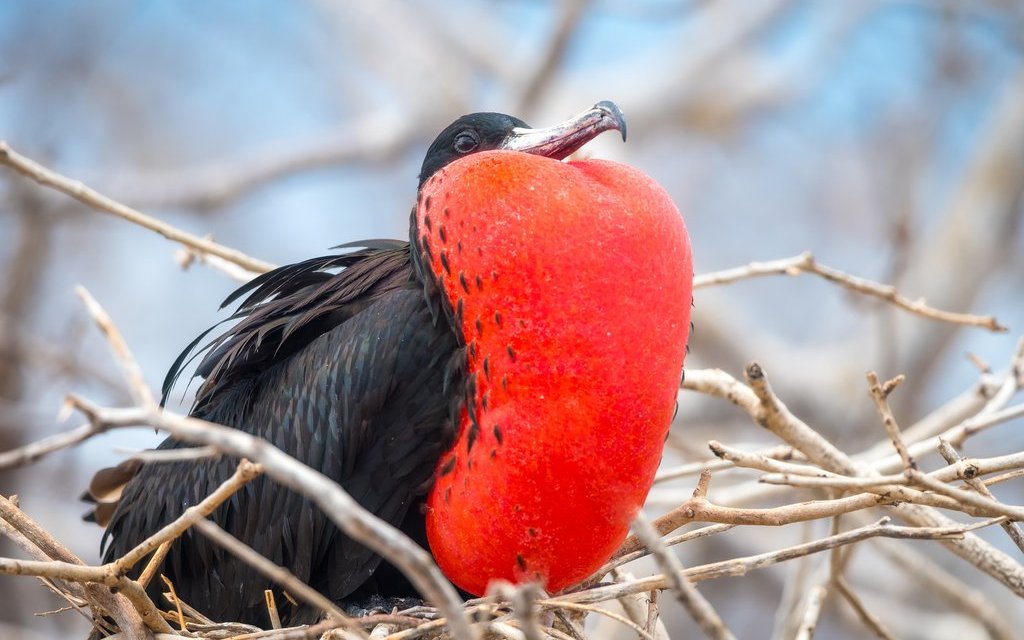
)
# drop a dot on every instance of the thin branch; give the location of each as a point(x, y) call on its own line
point(695, 604)
point(815, 599)
point(522, 598)
point(53, 180)
point(33, 451)
point(773, 415)
point(914, 475)
point(557, 603)
point(870, 621)
point(879, 394)
point(346, 514)
point(621, 558)
point(953, 591)
point(243, 474)
point(806, 264)
point(770, 412)
point(278, 575)
point(121, 606)
point(743, 565)
point(133, 373)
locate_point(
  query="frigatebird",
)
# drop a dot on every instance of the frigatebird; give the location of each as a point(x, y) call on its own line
point(499, 387)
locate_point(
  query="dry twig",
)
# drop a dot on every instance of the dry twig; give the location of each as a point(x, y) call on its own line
point(49, 178)
point(695, 604)
point(805, 263)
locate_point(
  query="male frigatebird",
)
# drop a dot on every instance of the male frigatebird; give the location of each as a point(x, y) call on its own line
point(500, 387)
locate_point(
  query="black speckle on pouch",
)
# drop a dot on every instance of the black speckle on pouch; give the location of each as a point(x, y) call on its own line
point(448, 466)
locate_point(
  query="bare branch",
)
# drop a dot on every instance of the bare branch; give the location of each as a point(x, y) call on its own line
point(806, 264)
point(815, 599)
point(742, 566)
point(99, 202)
point(243, 474)
point(1012, 528)
point(869, 619)
point(130, 608)
point(277, 574)
point(695, 604)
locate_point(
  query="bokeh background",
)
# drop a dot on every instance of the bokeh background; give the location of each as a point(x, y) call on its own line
point(886, 136)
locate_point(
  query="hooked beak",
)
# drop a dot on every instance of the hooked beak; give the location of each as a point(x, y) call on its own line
point(561, 140)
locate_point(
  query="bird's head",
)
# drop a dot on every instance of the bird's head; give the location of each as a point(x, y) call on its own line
point(486, 131)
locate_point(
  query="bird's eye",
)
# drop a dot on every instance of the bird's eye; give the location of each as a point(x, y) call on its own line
point(466, 141)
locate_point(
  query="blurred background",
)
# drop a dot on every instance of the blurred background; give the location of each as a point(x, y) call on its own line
point(886, 136)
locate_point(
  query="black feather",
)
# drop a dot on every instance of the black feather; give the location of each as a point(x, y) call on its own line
point(338, 361)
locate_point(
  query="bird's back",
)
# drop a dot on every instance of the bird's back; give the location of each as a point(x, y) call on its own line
point(345, 373)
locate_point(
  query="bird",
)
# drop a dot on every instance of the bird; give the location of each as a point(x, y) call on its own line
point(499, 387)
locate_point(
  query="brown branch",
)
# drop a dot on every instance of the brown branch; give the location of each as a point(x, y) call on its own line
point(780, 452)
point(134, 613)
point(773, 415)
point(870, 621)
point(955, 593)
point(695, 604)
point(377, 135)
point(133, 373)
point(346, 514)
point(558, 603)
point(768, 411)
point(879, 394)
point(622, 558)
point(814, 602)
point(278, 575)
point(806, 264)
point(53, 180)
point(1011, 527)
point(962, 469)
point(743, 565)
point(914, 475)
point(33, 451)
point(243, 474)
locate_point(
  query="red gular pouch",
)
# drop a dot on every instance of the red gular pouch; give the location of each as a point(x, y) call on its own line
point(571, 284)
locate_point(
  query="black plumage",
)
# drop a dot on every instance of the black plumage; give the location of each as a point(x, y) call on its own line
point(342, 371)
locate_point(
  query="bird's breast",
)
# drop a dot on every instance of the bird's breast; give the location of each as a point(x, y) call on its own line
point(570, 284)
